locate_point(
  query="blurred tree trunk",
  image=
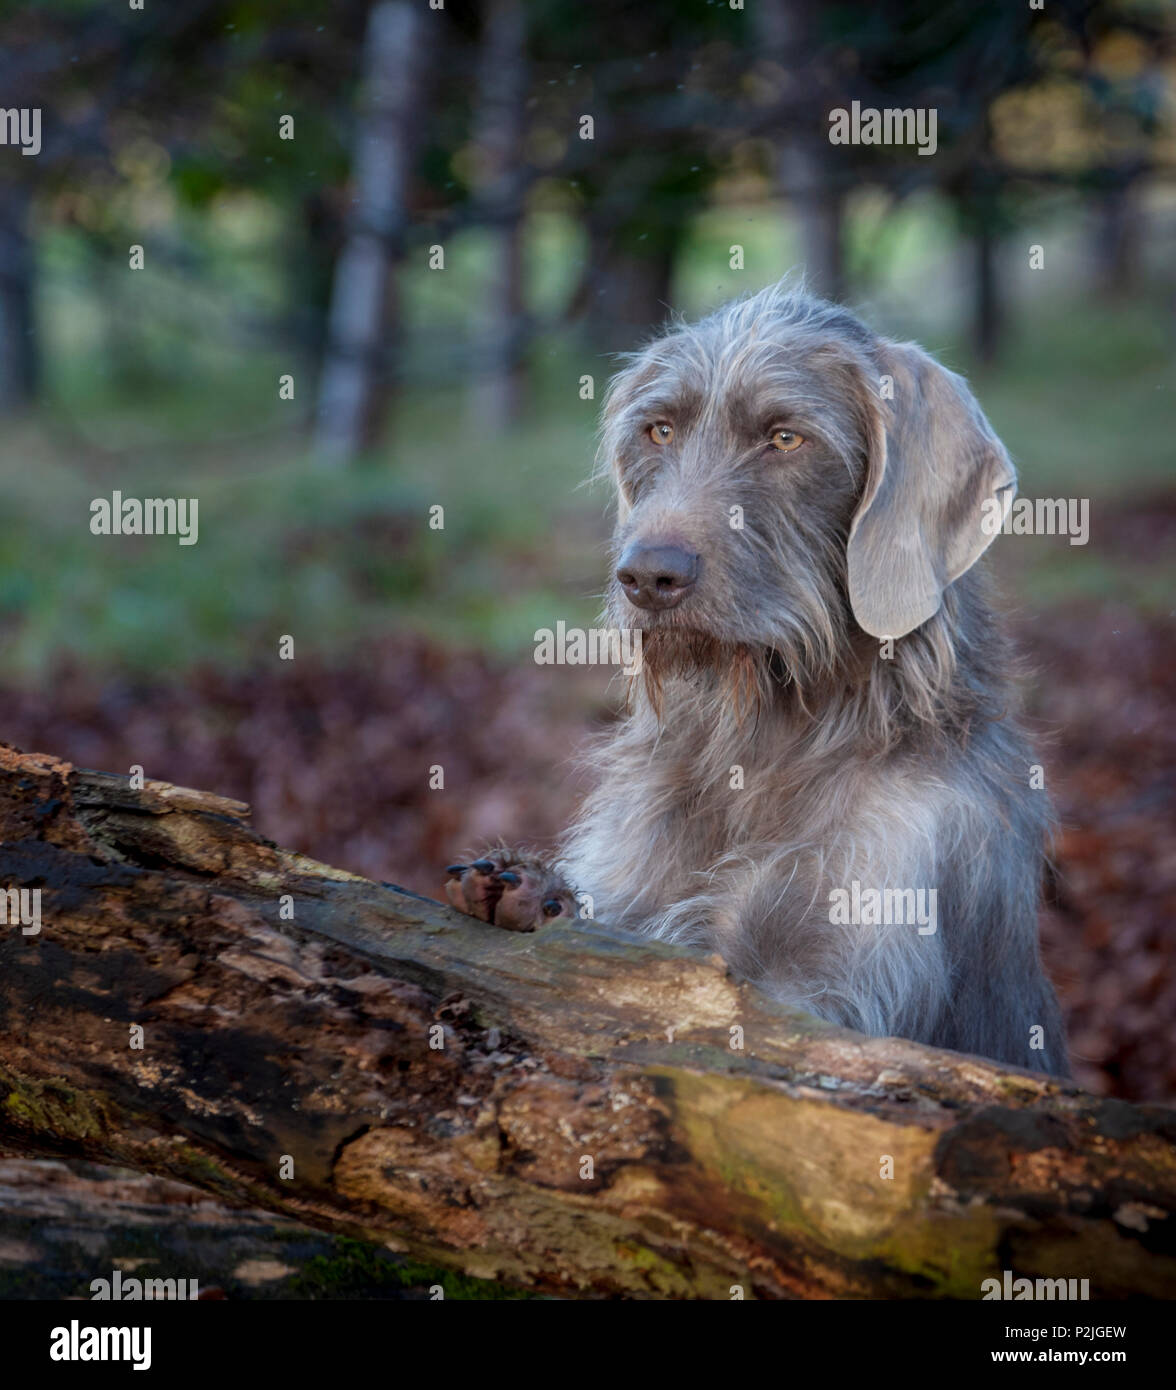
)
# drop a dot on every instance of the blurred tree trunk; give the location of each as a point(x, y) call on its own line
point(353, 390)
point(500, 130)
point(819, 207)
point(315, 241)
point(976, 192)
point(987, 320)
point(1117, 238)
point(979, 246)
point(805, 167)
point(627, 292)
point(19, 374)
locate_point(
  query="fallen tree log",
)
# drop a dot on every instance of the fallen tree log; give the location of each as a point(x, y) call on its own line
point(573, 1111)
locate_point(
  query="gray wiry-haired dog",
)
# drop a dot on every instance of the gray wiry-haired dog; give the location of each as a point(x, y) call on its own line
point(792, 492)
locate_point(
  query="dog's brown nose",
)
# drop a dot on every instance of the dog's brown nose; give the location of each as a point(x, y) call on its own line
point(657, 576)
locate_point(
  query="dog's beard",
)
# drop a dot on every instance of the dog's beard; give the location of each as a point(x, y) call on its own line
point(734, 670)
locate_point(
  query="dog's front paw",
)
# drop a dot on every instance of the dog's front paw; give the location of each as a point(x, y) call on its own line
point(512, 890)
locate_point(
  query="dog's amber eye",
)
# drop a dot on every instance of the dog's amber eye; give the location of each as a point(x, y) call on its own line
point(784, 441)
point(661, 433)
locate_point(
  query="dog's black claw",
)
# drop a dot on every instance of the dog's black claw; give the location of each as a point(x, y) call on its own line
point(455, 868)
point(508, 877)
point(483, 866)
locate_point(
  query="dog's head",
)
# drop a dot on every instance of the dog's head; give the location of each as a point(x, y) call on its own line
point(786, 477)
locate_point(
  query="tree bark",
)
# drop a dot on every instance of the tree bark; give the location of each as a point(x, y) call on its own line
point(499, 186)
point(353, 389)
point(569, 1111)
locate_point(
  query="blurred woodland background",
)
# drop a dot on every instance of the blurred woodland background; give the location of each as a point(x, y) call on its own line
point(419, 382)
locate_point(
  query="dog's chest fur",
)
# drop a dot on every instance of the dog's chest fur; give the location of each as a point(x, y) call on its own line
point(748, 822)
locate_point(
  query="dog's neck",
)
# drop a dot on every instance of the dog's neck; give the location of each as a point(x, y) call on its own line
point(874, 700)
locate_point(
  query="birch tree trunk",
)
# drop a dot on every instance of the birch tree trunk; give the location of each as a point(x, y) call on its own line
point(499, 131)
point(362, 322)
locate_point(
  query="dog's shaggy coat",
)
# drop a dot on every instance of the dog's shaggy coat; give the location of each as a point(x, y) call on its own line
point(827, 697)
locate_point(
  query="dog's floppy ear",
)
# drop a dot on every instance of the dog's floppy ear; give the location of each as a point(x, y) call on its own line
point(938, 484)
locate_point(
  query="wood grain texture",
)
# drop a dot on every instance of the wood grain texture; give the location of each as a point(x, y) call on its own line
point(589, 1126)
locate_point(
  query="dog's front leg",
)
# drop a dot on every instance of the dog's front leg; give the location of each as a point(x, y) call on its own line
point(510, 889)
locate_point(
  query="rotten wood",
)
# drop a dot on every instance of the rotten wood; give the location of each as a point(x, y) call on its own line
point(574, 1111)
